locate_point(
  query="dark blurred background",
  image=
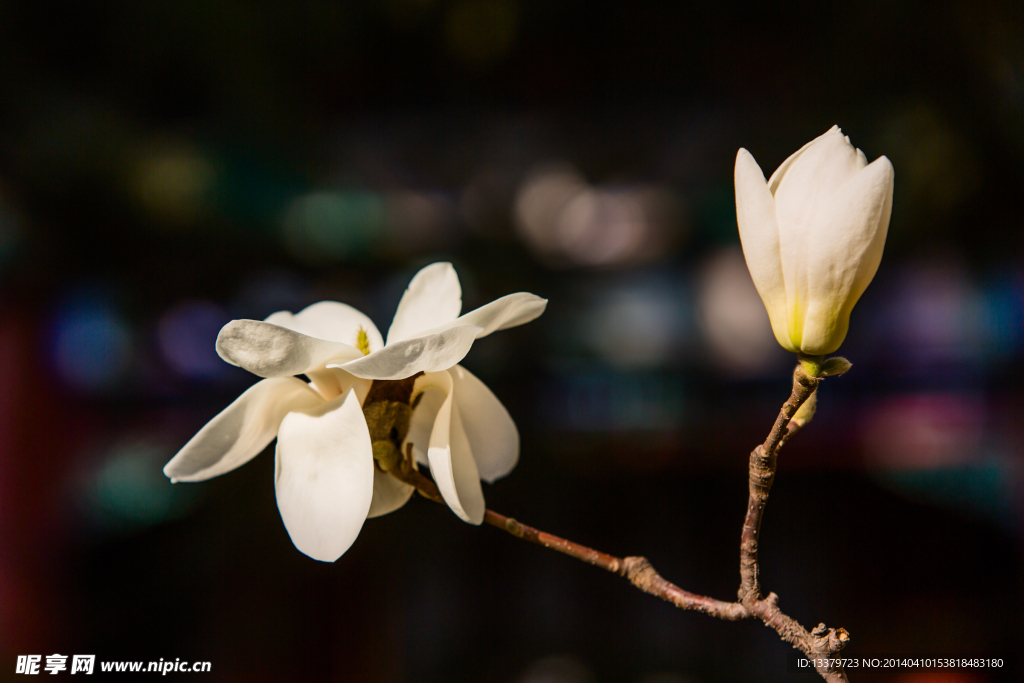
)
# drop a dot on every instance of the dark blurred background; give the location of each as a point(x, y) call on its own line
point(168, 166)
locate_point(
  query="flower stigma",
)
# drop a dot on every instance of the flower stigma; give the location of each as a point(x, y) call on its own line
point(363, 341)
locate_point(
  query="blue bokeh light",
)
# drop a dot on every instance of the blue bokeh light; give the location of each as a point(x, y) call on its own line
point(92, 345)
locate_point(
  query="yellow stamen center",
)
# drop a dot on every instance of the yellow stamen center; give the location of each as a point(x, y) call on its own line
point(363, 341)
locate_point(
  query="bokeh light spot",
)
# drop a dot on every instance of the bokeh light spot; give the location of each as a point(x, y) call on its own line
point(92, 344)
point(129, 491)
point(540, 201)
point(733, 318)
point(635, 327)
point(325, 227)
point(187, 336)
point(175, 184)
point(566, 221)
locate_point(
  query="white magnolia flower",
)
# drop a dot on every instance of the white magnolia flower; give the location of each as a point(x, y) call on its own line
point(325, 477)
point(813, 236)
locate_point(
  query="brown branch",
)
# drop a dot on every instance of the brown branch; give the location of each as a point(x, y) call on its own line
point(823, 643)
point(637, 570)
point(761, 476)
point(820, 645)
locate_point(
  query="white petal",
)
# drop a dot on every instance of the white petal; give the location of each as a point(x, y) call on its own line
point(433, 298)
point(332, 383)
point(242, 430)
point(492, 435)
point(508, 311)
point(324, 477)
point(844, 253)
point(803, 193)
point(399, 360)
point(812, 178)
point(451, 459)
point(428, 398)
point(272, 351)
point(759, 235)
point(332, 321)
point(389, 494)
point(773, 182)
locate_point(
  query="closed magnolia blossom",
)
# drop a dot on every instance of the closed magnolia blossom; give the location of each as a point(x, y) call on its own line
point(813, 236)
point(325, 478)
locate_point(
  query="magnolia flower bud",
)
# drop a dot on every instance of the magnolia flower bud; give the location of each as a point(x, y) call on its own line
point(813, 237)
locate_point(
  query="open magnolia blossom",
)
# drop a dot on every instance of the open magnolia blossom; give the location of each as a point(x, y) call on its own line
point(325, 477)
point(813, 236)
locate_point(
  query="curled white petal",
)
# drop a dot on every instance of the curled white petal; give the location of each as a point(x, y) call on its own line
point(492, 435)
point(332, 321)
point(270, 350)
point(451, 458)
point(242, 430)
point(433, 298)
point(431, 353)
point(324, 476)
point(508, 311)
point(428, 398)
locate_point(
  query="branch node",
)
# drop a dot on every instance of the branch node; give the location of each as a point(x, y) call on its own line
point(828, 641)
point(639, 572)
point(513, 527)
